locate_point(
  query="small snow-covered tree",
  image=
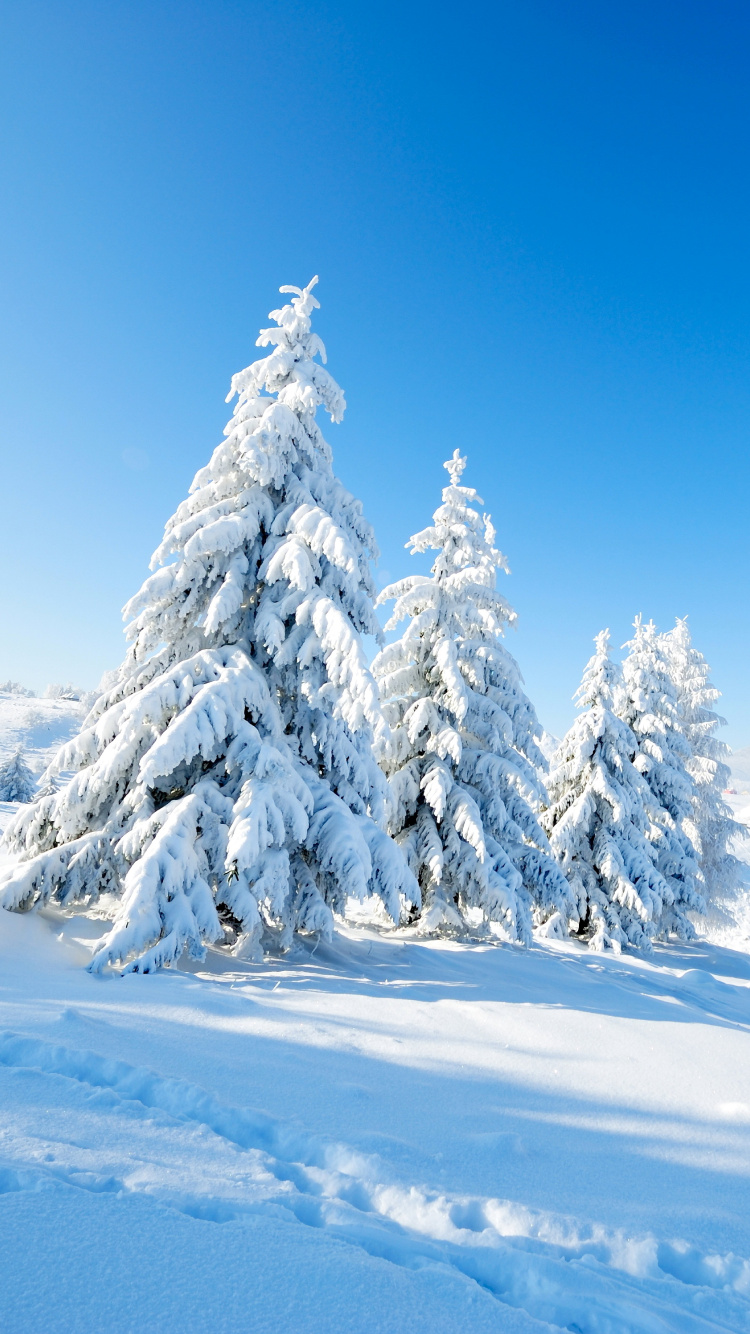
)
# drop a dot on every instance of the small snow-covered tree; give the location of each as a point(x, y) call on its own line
point(712, 827)
point(17, 782)
point(224, 780)
point(462, 760)
point(651, 709)
point(600, 817)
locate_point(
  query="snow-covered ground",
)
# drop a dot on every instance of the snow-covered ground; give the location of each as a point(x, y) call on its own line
point(375, 1135)
point(380, 1134)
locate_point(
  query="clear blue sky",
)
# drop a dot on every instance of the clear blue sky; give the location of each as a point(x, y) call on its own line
point(530, 223)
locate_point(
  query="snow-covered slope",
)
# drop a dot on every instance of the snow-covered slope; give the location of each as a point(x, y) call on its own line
point(38, 726)
point(378, 1135)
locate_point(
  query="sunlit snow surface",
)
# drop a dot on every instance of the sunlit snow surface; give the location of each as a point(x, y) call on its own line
point(376, 1135)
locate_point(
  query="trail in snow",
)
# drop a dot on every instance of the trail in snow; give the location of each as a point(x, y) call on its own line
point(572, 1277)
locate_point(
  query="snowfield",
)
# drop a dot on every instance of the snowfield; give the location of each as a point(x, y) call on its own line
point(374, 1135)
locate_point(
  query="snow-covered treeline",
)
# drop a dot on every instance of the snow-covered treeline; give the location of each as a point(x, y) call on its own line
point(636, 815)
point(245, 773)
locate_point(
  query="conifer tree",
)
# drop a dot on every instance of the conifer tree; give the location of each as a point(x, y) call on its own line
point(712, 827)
point(462, 762)
point(17, 782)
point(599, 819)
point(225, 784)
point(651, 709)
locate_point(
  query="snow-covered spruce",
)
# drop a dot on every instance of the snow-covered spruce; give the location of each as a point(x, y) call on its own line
point(462, 760)
point(650, 707)
point(17, 782)
point(601, 815)
point(711, 827)
point(225, 784)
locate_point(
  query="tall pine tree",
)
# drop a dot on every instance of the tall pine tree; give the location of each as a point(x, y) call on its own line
point(711, 827)
point(601, 816)
point(463, 762)
point(225, 783)
point(652, 711)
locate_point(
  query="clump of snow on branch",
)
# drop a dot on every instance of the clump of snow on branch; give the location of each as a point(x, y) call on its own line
point(225, 787)
point(463, 763)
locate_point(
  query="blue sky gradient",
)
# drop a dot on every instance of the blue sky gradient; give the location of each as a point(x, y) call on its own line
point(530, 224)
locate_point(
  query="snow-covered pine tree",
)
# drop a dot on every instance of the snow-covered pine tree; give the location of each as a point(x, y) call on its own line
point(712, 827)
point(650, 707)
point(224, 780)
point(599, 817)
point(17, 782)
point(462, 761)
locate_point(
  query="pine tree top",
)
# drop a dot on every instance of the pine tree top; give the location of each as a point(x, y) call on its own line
point(601, 677)
point(459, 596)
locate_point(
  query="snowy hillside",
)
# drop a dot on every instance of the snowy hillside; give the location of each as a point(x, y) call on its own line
point(378, 1135)
point(38, 726)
